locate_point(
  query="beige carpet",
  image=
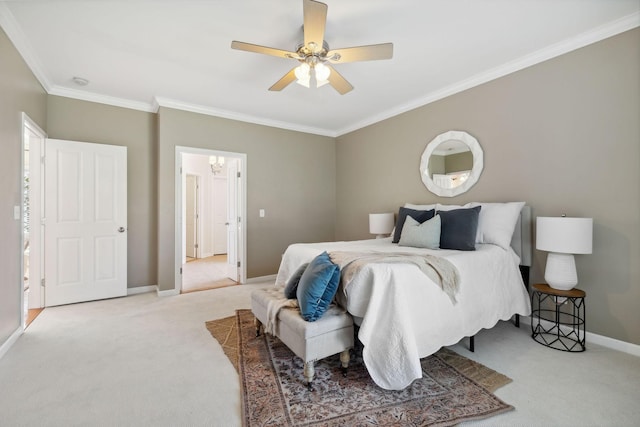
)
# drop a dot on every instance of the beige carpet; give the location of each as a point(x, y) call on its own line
point(453, 388)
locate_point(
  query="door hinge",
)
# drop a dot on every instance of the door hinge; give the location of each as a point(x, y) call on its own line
point(239, 174)
point(195, 246)
point(42, 283)
point(42, 160)
point(180, 270)
point(238, 264)
point(239, 220)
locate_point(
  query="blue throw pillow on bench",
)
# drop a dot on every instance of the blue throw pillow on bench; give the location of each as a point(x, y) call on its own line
point(317, 287)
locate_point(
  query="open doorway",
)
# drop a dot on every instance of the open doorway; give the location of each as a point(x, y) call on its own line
point(210, 232)
point(32, 228)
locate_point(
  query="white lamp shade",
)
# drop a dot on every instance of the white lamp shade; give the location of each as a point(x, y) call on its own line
point(564, 235)
point(381, 223)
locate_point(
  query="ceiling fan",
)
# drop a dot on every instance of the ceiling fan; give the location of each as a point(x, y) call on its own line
point(314, 54)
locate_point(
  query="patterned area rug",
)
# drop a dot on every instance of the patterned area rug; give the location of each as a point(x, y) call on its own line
point(453, 388)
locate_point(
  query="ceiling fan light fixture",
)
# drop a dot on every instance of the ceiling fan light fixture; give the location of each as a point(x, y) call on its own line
point(314, 53)
point(303, 74)
point(322, 74)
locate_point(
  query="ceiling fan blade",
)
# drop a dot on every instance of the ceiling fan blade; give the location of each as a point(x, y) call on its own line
point(285, 81)
point(361, 53)
point(248, 47)
point(315, 20)
point(338, 82)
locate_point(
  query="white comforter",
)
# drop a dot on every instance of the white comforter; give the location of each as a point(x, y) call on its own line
point(404, 316)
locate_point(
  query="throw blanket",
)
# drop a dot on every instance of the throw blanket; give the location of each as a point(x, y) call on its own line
point(275, 304)
point(438, 269)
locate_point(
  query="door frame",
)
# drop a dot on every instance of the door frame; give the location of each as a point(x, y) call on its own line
point(242, 202)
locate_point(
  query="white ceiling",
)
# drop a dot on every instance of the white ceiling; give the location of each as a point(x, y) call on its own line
point(176, 53)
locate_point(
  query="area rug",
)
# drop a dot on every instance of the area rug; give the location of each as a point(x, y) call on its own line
point(453, 388)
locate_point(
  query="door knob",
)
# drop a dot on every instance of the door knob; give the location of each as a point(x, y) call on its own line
point(121, 229)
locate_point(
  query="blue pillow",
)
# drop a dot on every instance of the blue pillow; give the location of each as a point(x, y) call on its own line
point(317, 287)
point(291, 288)
point(459, 227)
point(420, 216)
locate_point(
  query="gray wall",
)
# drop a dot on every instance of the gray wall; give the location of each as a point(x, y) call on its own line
point(83, 121)
point(19, 92)
point(291, 175)
point(563, 135)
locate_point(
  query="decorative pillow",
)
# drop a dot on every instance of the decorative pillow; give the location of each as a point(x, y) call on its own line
point(440, 207)
point(497, 222)
point(420, 216)
point(425, 235)
point(317, 287)
point(459, 229)
point(291, 288)
point(420, 207)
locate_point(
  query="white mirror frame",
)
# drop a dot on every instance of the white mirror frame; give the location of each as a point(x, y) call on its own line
point(476, 170)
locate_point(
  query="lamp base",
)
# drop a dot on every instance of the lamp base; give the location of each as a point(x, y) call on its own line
point(560, 272)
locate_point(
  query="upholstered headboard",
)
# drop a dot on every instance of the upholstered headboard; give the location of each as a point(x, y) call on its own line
point(521, 240)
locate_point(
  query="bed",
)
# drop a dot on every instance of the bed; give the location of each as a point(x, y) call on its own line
point(403, 315)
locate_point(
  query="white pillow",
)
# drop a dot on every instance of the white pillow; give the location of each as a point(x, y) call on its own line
point(497, 222)
point(440, 207)
point(420, 207)
point(425, 235)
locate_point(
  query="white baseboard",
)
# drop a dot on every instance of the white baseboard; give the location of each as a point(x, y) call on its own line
point(168, 292)
point(141, 290)
point(271, 278)
point(590, 337)
point(10, 341)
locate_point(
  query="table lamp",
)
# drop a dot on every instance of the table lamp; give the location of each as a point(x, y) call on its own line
point(381, 224)
point(563, 237)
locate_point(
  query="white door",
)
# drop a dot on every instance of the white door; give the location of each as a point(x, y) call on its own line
point(191, 216)
point(85, 221)
point(233, 220)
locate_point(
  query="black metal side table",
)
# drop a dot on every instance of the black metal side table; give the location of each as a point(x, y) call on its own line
point(564, 316)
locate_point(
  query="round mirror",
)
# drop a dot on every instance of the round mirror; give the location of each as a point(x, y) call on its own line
point(451, 164)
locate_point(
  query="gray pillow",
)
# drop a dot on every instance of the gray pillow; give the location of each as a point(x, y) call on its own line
point(425, 235)
point(420, 216)
point(459, 228)
point(291, 288)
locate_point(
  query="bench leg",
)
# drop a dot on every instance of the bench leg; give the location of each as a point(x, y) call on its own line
point(345, 357)
point(309, 373)
point(258, 325)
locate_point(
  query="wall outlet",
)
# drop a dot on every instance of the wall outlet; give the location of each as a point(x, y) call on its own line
point(261, 213)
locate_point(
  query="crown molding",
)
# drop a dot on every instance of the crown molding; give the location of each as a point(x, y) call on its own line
point(84, 95)
point(232, 115)
point(595, 35)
